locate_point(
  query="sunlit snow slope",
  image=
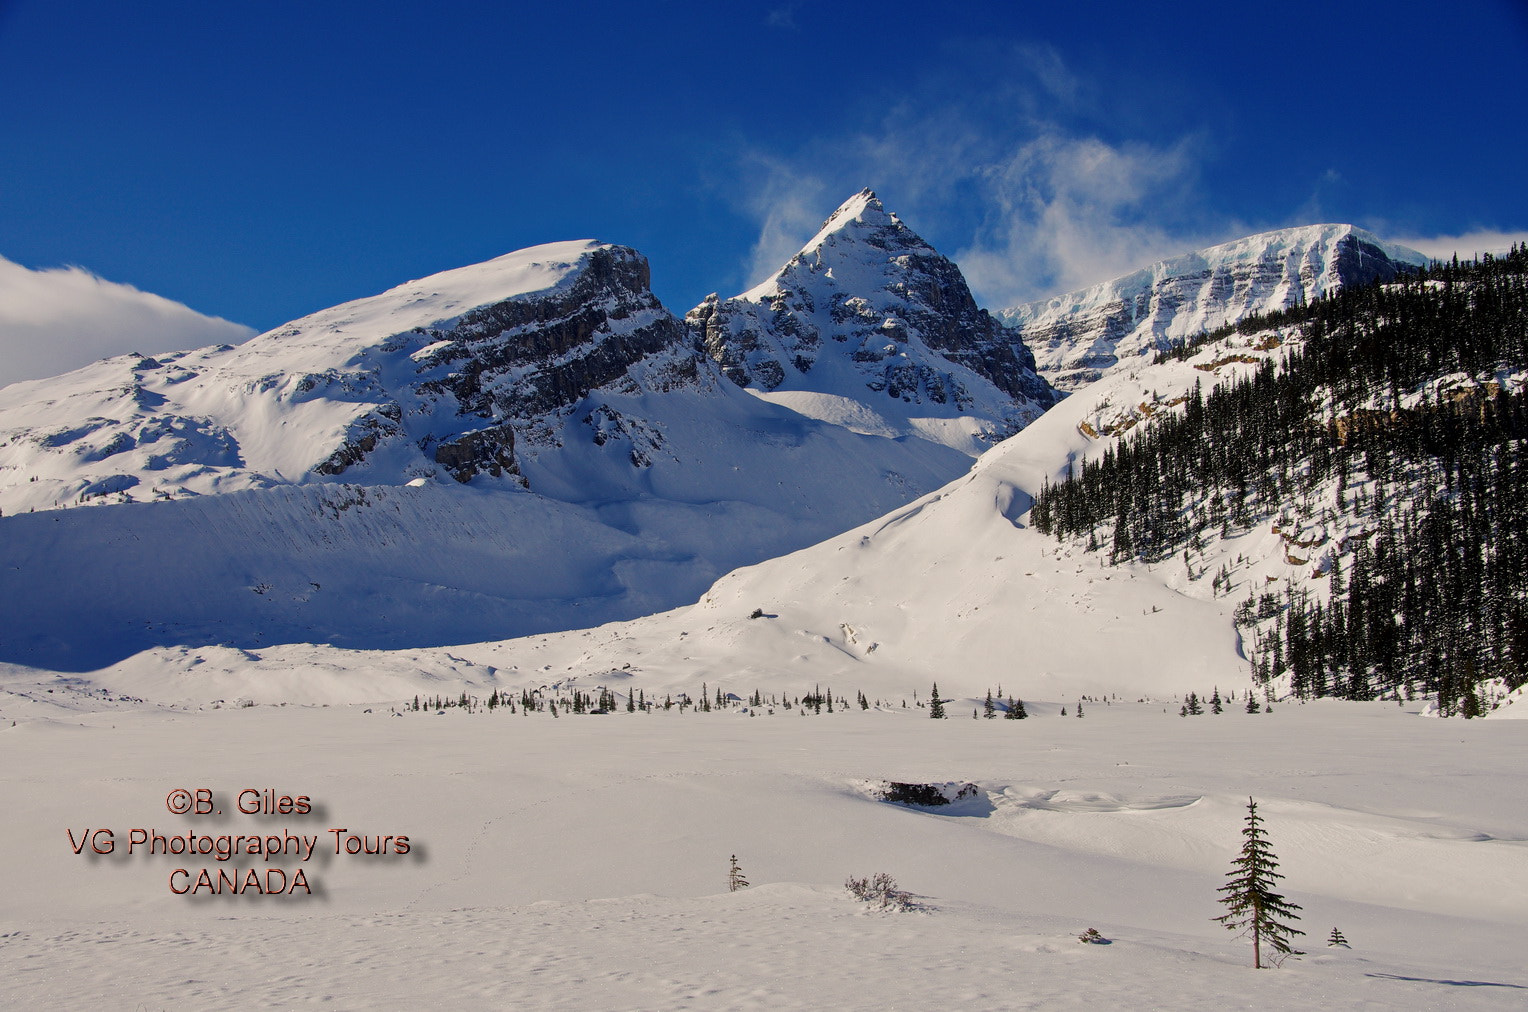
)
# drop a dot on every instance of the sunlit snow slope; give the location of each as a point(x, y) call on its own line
point(553, 370)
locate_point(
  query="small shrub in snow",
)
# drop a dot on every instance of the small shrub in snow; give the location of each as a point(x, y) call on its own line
point(757, 613)
point(1336, 938)
point(880, 891)
point(1092, 937)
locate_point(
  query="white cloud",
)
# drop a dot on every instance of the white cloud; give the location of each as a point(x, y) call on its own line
point(790, 206)
point(55, 320)
point(1069, 211)
point(1027, 204)
point(1468, 245)
point(781, 17)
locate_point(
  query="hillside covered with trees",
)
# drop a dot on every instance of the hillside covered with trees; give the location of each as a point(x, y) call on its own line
point(1395, 412)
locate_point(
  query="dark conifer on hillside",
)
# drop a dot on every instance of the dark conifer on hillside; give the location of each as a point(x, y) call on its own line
point(1389, 414)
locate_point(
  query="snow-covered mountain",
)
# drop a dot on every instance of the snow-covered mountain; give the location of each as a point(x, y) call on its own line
point(425, 380)
point(1081, 336)
point(869, 326)
point(623, 471)
point(955, 587)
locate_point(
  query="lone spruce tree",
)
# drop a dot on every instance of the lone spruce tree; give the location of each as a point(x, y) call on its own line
point(1251, 904)
point(935, 704)
point(735, 878)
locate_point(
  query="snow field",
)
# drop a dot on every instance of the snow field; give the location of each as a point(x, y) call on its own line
point(581, 862)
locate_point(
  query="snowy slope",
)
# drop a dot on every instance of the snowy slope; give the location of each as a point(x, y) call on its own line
point(580, 863)
point(869, 326)
point(1084, 335)
point(954, 588)
point(649, 474)
point(390, 386)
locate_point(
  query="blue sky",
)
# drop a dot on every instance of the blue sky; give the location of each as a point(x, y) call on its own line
point(261, 161)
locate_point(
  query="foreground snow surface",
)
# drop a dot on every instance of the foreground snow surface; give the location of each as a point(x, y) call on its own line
point(581, 862)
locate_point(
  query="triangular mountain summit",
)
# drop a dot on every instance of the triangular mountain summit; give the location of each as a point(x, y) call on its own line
point(870, 326)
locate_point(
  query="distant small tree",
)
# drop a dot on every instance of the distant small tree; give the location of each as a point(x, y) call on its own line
point(990, 708)
point(1079, 708)
point(1215, 706)
point(936, 705)
point(1336, 938)
point(1252, 706)
point(1251, 904)
point(735, 878)
point(1016, 709)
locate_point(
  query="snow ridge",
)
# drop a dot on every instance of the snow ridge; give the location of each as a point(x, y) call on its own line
point(1082, 336)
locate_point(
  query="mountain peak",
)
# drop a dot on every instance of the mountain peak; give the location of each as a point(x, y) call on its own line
point(869, 313)
point(863, 212)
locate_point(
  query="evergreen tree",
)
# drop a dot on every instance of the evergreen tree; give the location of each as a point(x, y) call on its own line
point(936, 705)
point(990, 709)
point(1336, 938)
point(735, 878)
point(1079, 708)
point(1215, 706)
point(1250, 902)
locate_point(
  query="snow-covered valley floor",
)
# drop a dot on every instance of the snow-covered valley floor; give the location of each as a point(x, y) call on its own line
point(582, 862)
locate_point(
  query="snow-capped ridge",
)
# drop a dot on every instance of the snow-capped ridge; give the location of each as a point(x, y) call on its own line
point(1081, 336)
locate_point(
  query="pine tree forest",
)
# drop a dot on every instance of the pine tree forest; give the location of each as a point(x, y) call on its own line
point(1391, 414)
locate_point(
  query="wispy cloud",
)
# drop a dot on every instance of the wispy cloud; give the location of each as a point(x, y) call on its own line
point(52, 321)
point(789, 204)
point(1028, 203)
point(781, 17)
point(1468, 245)
point(1068, 211)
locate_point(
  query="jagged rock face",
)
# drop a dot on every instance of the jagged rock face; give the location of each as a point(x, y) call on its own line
point(869, 301)
point(529, 356)
point(1079, 337)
